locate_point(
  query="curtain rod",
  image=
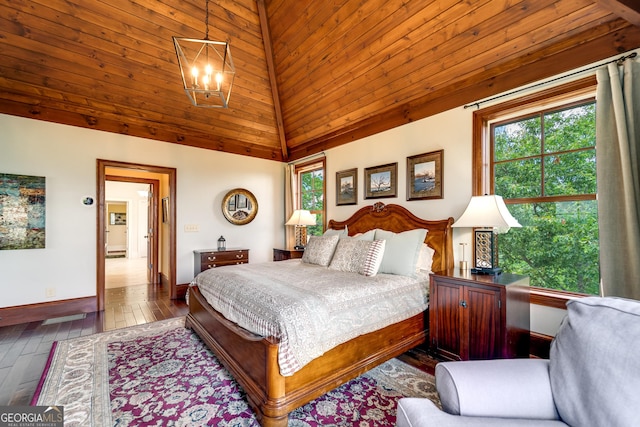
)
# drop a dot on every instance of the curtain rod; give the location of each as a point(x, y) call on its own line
point(309, 157)
point(619, 61)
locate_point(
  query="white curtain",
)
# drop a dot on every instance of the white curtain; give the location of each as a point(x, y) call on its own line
point(290, 192)
point(618, 169)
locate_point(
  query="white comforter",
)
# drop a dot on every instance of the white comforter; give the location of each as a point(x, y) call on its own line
point(308, 308)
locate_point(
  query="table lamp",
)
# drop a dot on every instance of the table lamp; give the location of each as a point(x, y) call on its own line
point(301, 218)
point(489, 216)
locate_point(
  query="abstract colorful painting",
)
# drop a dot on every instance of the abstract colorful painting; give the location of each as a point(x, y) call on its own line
point(22, 211)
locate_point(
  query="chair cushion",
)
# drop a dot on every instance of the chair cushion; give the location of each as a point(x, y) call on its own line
point(594, 363)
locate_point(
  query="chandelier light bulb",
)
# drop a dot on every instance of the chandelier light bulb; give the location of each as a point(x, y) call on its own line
point(194, 74)
point(205, 81)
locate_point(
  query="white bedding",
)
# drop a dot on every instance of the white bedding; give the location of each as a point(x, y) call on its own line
point(308, 308)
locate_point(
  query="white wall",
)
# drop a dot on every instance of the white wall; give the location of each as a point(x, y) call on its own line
point(67, 155)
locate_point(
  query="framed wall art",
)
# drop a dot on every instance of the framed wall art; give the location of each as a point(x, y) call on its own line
point(22, 211)
point(347, 187)
point(381, 181)
point(424, 176)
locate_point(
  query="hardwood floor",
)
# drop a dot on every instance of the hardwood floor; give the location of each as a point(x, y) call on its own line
point(24, 348)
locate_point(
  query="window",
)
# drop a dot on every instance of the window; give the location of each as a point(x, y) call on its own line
point(312, 193)
point(541, 160)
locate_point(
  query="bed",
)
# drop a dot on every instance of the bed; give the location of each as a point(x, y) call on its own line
point(253, 359)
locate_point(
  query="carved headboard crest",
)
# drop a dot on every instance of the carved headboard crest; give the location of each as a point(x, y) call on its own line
point(378, 207)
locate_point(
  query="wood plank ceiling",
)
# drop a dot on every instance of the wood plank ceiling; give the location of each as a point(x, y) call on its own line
point(310, 75)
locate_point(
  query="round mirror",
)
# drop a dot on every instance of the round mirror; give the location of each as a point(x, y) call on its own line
point(239, 206)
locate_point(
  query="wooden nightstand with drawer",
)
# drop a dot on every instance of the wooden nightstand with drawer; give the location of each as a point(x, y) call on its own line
point(204, 259)
point(285, 254)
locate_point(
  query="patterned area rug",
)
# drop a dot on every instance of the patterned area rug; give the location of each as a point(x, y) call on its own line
point(162, 374)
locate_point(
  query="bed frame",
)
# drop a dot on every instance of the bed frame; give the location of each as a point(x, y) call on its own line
point(253, 360)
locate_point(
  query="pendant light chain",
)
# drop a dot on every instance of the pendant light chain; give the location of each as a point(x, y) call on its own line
point(206, 20)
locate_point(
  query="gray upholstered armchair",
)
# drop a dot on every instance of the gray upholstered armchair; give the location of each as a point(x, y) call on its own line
point(592, 378)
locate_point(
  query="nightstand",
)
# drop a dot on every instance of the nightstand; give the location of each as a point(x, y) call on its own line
point(204, 259)
point(474, 316)
point(285, 254)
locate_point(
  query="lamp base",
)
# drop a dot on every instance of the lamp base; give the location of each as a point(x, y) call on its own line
point(298, 247)
point(487, 271)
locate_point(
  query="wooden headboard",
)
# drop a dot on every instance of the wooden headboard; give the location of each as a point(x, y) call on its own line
point(397, 219)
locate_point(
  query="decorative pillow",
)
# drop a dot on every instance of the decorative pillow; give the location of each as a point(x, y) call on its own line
point(358, 256)
point(319, 249)
point(401, 251)
point(425, 259)
point(594, 363)
point(331, 232)
point(373, 259)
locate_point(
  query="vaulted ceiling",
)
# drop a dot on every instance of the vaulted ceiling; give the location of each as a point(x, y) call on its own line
point(310, 75)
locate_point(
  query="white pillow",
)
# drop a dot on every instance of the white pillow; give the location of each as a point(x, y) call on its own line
point(331, 232)
point(401, 251)
point(358, 256)
point(369, 235)
point(425, 259)
point(319, 249)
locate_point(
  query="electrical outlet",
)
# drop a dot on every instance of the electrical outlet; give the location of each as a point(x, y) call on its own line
point(50, 292)
point(191, 228)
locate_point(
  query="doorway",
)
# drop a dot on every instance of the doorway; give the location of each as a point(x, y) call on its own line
point(112, 170)
point(131, 251)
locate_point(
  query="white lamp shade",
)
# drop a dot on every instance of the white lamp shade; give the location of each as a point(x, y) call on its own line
point(302, 217)
point(487, 212)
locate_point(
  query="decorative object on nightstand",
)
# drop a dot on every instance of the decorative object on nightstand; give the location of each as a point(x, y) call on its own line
point(489, 216)
point(222, 244)
point(285, 254)
point(204, 259)
point(464, 264)
point(300, 219)
point(478, 316)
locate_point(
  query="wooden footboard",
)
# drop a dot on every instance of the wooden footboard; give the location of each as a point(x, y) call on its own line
point(253, 360)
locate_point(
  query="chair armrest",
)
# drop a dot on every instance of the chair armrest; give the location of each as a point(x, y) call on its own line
point(420, 412)
point(506, 388)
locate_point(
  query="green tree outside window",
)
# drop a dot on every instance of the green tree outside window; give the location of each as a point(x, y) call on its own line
point(312, 198)
point(544, 166)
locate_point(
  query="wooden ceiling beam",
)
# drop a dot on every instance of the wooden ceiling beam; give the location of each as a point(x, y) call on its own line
point(266, 39)
point(158, 132)
point(629, 10)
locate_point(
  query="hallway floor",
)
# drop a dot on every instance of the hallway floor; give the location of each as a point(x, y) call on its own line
point(119, 272)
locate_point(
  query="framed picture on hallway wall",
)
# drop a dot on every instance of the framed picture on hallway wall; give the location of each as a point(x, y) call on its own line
point(165, 210)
